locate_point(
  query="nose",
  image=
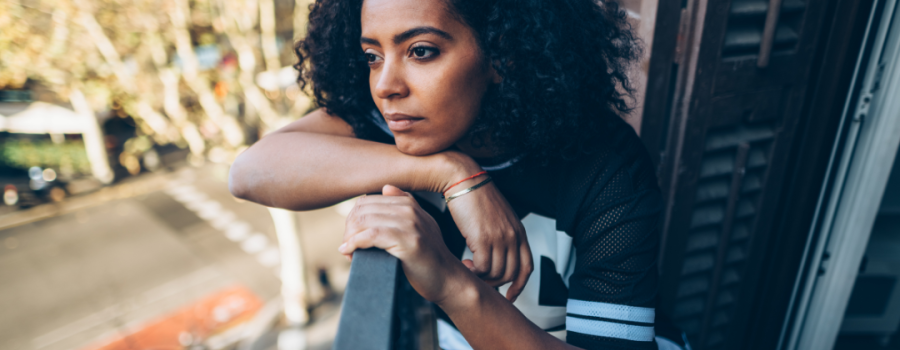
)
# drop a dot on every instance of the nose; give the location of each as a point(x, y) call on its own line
point(390, 82)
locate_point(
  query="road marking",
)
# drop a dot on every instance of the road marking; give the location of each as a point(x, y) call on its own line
point(270, 257)
point(189, 197)
point(181, 190)
point(209, 210)
point(238, 231)
point(218, 217)
point(221, 221)
point(255, 243)
point(163, 291)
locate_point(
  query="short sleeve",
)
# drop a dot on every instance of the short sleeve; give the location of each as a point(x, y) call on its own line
point(615, 230)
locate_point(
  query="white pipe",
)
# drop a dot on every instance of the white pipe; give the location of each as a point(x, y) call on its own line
point(93, 138)
point(293, 276)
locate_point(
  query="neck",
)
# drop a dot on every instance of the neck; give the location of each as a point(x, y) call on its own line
point(478, 146)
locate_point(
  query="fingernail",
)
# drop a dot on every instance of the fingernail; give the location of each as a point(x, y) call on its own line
point(342, 246)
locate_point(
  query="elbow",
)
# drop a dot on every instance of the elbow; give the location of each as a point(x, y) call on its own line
point(239, 179)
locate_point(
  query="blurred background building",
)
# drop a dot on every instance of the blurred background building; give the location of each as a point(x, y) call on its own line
point(774, 123)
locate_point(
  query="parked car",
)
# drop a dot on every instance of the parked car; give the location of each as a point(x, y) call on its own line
point(27, 188)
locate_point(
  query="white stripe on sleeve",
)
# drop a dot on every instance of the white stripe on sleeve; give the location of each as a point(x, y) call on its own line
point(611, 311)
point(609, 329)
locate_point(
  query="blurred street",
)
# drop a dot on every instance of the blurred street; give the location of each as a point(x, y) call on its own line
point(117, 229)
point(93, 270)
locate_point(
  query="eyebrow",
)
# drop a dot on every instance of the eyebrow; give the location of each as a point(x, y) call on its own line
point(414, 32)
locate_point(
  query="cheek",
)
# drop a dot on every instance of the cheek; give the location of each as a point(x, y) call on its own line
point(453, 93)
point(449, 94)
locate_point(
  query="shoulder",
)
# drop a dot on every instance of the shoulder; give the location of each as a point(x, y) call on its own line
point(612, 167)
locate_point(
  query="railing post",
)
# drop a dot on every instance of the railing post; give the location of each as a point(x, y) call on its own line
point(367, 320)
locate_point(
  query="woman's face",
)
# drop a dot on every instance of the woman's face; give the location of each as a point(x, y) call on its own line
point(427, 73)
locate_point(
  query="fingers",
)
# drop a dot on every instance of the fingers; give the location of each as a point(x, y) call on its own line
point(498, 265)
point(370, 211)
point(394, 191)
point(389, 195)
point(391, 215)
point(361, 240)
point(378, 237)
point(526, 267)
point(481, 260)
point(368, 218)
point(512, 265)
point(355, 206)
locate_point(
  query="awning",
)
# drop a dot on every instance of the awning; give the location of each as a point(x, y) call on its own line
point(45, 118)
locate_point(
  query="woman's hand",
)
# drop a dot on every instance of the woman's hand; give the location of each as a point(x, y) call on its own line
point(493, 231)
point(395, 222)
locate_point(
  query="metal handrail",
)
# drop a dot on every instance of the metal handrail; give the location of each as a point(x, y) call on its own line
point(381, 310)
point(368, 312)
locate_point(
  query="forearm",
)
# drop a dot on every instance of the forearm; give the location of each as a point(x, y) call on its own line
point(488, 321)
point(303, 170)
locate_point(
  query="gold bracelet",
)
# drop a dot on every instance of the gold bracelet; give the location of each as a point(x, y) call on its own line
point(470, 189)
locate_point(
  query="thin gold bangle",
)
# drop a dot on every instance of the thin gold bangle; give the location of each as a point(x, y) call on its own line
point(470, 189)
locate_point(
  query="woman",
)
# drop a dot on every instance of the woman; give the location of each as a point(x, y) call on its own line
point(510, 108)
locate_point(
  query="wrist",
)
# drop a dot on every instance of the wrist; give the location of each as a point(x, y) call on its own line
point(454, 166)
point(462, 295)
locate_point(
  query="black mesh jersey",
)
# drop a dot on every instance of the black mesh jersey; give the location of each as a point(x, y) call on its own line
point(593, 228)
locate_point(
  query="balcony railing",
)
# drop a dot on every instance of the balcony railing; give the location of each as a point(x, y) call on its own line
point(381, 311)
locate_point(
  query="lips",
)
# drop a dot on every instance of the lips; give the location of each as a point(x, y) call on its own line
point(399, 122)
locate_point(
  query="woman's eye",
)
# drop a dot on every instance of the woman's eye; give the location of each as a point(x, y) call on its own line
point(424, 52)
point(372, 58)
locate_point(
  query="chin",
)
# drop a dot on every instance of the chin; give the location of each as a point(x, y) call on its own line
point(418, 148)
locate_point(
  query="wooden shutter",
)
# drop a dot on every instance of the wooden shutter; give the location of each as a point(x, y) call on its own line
point(721, 132)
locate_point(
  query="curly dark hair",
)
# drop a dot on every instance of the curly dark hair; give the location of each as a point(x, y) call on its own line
point(563, 65)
